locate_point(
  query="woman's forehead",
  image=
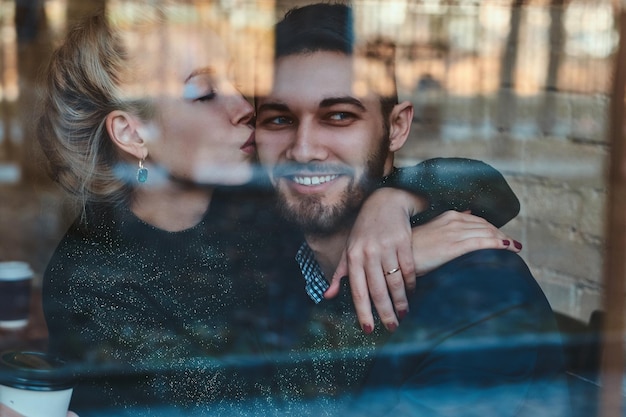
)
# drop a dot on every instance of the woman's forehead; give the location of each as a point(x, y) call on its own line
point(164, 60)
point(160, 42)
point(190, 49)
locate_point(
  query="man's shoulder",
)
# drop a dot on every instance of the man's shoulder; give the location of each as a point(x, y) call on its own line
point(485, 279)
point(483, 295)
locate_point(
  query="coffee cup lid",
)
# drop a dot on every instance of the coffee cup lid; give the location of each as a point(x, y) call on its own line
point(34, 371)
point(14, 270)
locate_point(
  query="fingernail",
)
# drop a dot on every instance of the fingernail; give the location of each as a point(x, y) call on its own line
point(402, 314)
point(506, 242)
point(392, 327)
point(517, 244)
point(367, 329)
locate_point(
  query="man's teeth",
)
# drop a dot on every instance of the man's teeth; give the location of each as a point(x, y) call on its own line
point(314, 180)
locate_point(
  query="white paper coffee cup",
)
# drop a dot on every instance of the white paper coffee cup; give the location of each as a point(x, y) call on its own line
point(15, 288)
point(35, 384)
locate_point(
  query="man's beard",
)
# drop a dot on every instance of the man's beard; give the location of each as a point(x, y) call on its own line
point(315, 218)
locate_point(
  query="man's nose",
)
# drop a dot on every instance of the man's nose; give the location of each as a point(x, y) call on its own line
point(306, 144)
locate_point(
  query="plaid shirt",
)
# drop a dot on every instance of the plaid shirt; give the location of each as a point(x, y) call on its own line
point(316, 283)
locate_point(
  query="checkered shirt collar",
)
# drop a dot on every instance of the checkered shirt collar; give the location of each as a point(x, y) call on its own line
point(316, 283)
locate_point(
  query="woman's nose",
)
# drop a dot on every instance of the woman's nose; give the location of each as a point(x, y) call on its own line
point(239, 109)
point(242, 112)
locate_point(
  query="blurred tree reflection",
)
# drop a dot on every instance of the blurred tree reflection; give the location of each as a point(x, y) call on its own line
point(557, 40)
point(28, 18)
point(32, 53)
point(505, 116)
point(35, 44)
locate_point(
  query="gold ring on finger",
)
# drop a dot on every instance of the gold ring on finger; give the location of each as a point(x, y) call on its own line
point(392, 271)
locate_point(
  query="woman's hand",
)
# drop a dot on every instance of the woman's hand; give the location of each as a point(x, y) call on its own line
point(383, 255)
point(378, 257)
point(453, 234)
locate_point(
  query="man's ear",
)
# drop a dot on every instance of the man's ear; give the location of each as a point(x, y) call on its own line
point(124, 130)
point(400, 122)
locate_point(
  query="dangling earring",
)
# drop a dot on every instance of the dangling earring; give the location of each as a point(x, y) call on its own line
point(142, 173)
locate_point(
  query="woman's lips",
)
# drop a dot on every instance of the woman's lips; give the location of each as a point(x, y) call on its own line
point(250, 146)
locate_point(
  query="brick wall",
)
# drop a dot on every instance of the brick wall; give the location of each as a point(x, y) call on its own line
point(559, 179)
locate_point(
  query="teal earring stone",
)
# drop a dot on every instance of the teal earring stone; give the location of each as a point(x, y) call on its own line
point(142, 173)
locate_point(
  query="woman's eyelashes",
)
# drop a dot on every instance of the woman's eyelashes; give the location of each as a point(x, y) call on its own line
point(206, 97)
point(195, 93)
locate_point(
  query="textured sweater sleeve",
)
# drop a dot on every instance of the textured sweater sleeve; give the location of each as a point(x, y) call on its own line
point(457, 184)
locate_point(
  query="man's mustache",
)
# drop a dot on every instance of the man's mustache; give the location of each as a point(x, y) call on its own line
point(295, 168)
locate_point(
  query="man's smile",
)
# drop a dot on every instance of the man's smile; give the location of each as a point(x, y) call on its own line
point(313, 179)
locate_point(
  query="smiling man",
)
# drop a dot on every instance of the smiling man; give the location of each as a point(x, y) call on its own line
point(480, 337)
point(328, 129)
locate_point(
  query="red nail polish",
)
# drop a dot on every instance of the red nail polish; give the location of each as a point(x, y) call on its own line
point(392, 327)
point(517, 244)
point(367, 329)
point(402, 314)
point(506, 242)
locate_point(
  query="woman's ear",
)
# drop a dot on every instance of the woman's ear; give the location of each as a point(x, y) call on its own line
point(124, 130)
point(400, 122)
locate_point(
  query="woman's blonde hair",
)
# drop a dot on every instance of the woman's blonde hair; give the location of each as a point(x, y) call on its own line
point(96, 70)
point(82, 86)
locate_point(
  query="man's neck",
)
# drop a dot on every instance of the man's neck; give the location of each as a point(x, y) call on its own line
point(328, 250)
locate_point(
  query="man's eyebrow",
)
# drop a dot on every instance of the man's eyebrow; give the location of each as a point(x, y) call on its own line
point(272, 106)
point(201, 71)
point(331, 101)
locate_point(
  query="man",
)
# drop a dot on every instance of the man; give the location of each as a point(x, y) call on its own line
point(479, 338)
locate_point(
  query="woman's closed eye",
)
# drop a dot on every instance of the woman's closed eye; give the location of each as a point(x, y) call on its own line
point(206, 97)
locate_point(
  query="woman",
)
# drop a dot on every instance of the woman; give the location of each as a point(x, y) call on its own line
point(162, 279)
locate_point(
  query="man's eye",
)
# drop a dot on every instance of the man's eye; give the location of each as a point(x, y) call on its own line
point(276, 121)
point(341, 116)
point(282, 120)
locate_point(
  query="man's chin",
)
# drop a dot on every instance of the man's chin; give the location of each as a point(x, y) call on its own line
point(324, 213)
point(314, 217)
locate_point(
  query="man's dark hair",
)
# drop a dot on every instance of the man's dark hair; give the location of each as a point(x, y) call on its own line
point(314, 28)
point(325, 27)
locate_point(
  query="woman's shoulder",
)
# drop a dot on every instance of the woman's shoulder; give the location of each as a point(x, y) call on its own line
point(89, 239)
